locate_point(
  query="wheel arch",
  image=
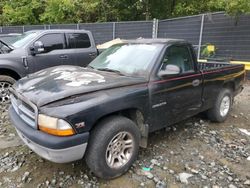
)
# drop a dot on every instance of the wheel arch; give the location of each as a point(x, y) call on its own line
point(229, 85)
point(135, 115)
point(9, 72)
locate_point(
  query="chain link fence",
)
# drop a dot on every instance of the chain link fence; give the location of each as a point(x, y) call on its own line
point(230, 37)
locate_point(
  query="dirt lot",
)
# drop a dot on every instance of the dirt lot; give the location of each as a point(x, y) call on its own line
point(193, 153)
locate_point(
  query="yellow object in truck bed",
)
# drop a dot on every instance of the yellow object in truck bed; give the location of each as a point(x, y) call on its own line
point(247, 64)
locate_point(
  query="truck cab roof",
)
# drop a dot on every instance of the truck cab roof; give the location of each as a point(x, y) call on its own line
point(59, 31)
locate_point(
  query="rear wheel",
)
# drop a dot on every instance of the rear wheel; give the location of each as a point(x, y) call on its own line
point(5, 83)
point(113, 147)
point(221, 107)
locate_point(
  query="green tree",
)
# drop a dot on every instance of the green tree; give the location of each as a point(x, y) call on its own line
point(192, 7)
point(1, 12)
point(58, 11)
point(16, 12)
point(124, 10)
point(232, 7)
point(87, 10)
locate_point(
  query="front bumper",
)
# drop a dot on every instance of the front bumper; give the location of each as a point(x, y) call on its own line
point(53, 148)
point(55, 155)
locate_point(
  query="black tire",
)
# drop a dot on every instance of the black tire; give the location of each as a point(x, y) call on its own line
point(101, 137)
point(214, 113)
point(7, 79)
point(4, 81)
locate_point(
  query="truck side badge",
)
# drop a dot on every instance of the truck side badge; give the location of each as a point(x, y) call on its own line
point(80, 125)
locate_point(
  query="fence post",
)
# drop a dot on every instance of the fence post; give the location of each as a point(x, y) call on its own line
point(155, 28)
point(23, 29)
point(113, 30)
point(1, 29)
point(200, 38)
point(44, 27)
point(77, 26)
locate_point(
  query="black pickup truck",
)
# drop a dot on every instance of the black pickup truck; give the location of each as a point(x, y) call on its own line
point(39, 49)
point(107, 110)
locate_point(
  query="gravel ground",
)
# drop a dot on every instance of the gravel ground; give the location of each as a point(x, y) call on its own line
point(193, 153)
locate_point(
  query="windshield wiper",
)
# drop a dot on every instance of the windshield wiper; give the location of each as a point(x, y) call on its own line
point(6, 45)
point(111, 70)
point(89, 66)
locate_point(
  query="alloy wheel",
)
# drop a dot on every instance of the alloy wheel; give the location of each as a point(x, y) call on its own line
point(119, 150)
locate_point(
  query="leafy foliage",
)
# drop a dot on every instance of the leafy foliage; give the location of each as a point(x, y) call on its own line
point(233, 7)
point(21, 11)
point(14, 12)
point(58, 11)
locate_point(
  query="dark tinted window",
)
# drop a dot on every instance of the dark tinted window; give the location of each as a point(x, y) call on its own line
point(52, 42)
point(180, 56)
point(78, 40)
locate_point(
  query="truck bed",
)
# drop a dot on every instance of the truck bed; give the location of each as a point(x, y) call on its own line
point(213, 65)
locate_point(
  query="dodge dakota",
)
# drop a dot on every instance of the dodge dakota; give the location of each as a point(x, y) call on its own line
point(105, 112)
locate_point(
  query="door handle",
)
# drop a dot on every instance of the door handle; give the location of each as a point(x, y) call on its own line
point(63, 56)
point(92, 54)
point(25, 61)
point(196, 82)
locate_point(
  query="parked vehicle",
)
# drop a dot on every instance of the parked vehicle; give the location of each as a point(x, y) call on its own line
point(40, 49)
point(107, 110)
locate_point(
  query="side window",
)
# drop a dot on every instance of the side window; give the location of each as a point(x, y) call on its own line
point(78, 40)
point(179, 56)
point(52, 42)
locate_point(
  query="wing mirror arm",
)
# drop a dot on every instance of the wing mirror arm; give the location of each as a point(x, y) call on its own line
point(32, 51)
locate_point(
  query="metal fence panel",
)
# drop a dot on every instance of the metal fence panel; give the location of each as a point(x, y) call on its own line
point(231, 37)
point(12, 29)
point(183, 28)
point(102, 32)
point(63, 26)
point(34, 27)
point(133, 30)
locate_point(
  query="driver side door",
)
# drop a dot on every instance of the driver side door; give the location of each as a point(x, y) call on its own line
point(53, 53)
point(176, 96)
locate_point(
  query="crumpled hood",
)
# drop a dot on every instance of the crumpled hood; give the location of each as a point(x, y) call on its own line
point(59, 82)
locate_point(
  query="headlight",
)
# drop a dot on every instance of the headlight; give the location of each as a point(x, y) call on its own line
point(54, 126)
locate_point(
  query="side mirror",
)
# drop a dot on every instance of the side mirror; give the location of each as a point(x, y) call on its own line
point(37, 48)
point(170, 70)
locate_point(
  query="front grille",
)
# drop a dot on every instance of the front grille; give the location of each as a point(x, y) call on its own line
point(25, 110)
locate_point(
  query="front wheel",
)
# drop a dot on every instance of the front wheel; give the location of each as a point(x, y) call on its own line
point(222, 106)
point(113, 147)
point(6, 83)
